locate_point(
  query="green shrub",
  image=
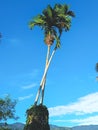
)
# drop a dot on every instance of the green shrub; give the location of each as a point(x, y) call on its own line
point(37, 118)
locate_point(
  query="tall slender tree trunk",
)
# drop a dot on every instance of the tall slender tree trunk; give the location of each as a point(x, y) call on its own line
point(42, 83)
point(47, 67)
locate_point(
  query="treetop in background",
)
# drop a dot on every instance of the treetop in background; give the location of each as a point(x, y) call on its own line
point(7, 108)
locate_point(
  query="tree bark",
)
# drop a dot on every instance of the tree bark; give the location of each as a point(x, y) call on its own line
point(42, 83)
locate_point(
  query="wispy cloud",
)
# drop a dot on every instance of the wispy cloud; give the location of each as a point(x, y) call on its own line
point(92, 120)
point(34, 73)
point(29, 86)
point(31, 76)
point(84, 105)
point(13, 40)
point(25, 97)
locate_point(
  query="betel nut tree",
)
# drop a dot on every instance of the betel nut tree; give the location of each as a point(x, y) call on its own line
point(53, 21)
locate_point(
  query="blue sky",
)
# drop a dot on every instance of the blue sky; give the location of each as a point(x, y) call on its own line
point(71, 93)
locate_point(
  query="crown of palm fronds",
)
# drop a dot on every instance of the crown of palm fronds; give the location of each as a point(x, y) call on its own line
point(0, 35)
point(54, 20)
point(96, 67)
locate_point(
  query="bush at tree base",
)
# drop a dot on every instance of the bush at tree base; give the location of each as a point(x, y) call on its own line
point(37, 118)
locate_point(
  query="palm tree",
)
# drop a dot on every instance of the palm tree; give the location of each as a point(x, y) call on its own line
point(96, 67)
point(53, 21)
point(0, 36)
point(96, 70)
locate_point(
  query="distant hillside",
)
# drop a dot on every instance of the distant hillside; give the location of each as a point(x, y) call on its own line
point(15, 126)
point(20, 126)
point(53, 127)
point(89, 127)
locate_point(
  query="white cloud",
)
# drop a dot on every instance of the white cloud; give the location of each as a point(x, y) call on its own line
point(31, 76)
point(93, 120)
point(29, 86)
point(25, 97)
point(84, 105)
point(35, 73)
point(14, 40)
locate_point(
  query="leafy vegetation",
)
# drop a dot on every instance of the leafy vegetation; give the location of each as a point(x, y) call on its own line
point(37, 118)
point(53, 21)
point(0, 36)
point(96, 67)
point(7, 110)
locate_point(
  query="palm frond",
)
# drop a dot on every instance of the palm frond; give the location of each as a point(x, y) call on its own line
point(38, 20)
point(61, 9)
point(57, 42)
point(48, 12)
point(54, 20)
point(96, 67)
point(49, 17)
point(71, 13)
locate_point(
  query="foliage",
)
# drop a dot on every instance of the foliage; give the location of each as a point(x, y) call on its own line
point(7, 108)
point(53, 21)
point(0, 35)
point(96, 67)
point(37, 118)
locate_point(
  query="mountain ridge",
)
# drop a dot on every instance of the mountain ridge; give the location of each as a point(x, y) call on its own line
point(20, 126)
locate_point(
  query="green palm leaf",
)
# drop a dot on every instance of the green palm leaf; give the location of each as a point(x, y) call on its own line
point(96, 67)
point(48, 12)
point(38, 20)
point(71, 13)
point(54, 20)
